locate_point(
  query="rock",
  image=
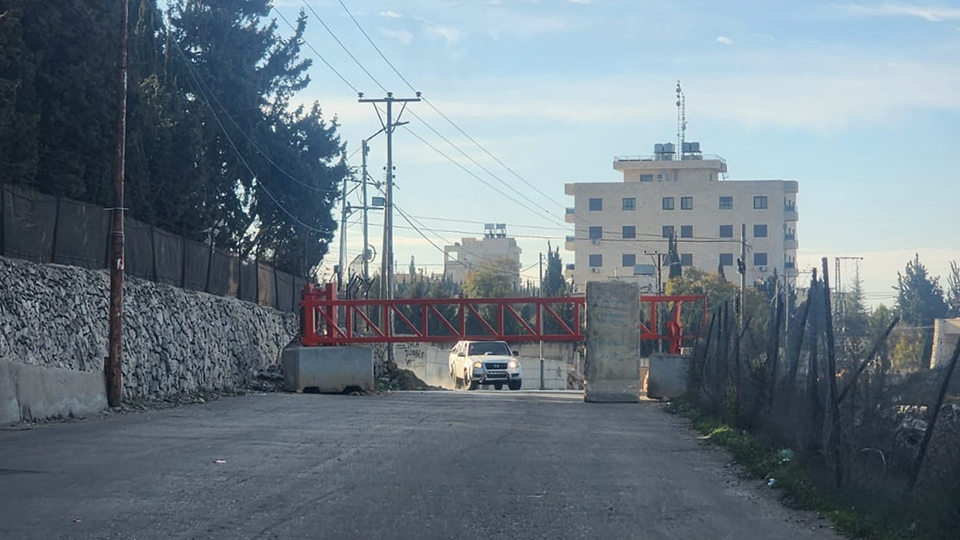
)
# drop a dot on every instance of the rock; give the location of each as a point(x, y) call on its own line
point(175, 342)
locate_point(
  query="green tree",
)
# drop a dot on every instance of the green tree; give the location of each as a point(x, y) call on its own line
point(853, 322)
point(673, 257)
point(919, 295)
point(495, 278)
point(907, 354)
point(920, 301)
point(953, 289)
point(554, 284)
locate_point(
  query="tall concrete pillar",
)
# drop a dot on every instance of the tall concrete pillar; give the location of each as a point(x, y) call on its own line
point(612, 365)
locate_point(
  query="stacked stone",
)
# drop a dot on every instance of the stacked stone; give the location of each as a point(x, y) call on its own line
point(175, 341)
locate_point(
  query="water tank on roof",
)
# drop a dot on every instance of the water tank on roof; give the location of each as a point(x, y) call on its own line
point(658, 148)
point(694, 147)
point(669, 148)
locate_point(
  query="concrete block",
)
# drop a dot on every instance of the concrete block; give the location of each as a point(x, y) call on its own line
point(612, 365)
point(327, 369)
point(38, 393)
point(669, 376)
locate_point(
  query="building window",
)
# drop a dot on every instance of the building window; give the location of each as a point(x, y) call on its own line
point(596, 233)
point(667, 231)
point(629, 231)
point(629, 203)
point(686, 231)
point(686, 259)
point(646, 178)
point(596, 261)
point(686, 203)
point(596, 205)
point(668, 203)
point(759, 259)
point(726, 231)
point(726, 203)
point(629, 260)
point(726, 259)
point(759, 231)
point(760, 202)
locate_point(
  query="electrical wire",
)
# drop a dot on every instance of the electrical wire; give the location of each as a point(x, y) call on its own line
point(438, 111)
point(246, 165)
point(418, 117)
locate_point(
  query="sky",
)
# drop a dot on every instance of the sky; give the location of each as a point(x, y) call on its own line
point(859, 102)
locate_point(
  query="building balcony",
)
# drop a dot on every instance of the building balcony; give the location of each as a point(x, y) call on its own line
point(570, 216)
point(570, 244)
point(790, 213)
point(790, 241)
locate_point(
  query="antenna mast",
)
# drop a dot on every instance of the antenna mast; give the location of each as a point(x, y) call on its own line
point(681, 119)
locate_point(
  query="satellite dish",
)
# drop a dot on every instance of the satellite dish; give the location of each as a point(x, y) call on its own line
point(371, 253)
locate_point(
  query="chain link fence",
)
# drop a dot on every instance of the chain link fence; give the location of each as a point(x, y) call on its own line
point(47, 229)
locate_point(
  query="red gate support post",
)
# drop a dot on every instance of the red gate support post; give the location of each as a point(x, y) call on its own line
point(308, 315)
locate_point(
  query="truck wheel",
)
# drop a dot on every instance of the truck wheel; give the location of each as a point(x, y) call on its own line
point(498, 386)
point(473, 385)
point(456, 382)
point(515, 385)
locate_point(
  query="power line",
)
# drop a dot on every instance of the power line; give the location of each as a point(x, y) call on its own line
point(438, 111)
point(342, 46)
point(316, 52)
point(253, 175)
point(249, 139)
point(415, 115)
point(468, 171)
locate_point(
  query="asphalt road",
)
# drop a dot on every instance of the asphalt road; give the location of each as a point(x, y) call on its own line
point(433, 465)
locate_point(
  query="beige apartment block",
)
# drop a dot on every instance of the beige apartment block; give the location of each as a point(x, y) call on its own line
point(619, 225)
point(470, 253)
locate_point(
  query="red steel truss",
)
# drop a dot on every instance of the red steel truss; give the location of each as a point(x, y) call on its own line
point(327, 320)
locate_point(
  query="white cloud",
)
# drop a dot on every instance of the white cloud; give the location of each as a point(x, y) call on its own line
point(390, 14)
point(402, 36)
point(818, 93)
point(724, 40)
point(447, 33)
point(929, 13)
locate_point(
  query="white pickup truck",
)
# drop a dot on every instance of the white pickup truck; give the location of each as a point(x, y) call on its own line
point(475, 363)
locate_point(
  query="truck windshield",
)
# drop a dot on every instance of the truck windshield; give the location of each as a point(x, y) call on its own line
point(490, 347)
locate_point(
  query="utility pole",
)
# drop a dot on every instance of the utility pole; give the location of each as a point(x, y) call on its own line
point(363, 190)
point(344, 208)
point(658, 260)
point(742, 268)
point(386, 277)
point(657, 257)
point(389, 126)
point(540, 326)
point(840, 307)
point(112, 369)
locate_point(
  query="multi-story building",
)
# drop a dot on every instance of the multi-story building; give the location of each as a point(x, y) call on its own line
point(620, 225)
point(471, 253)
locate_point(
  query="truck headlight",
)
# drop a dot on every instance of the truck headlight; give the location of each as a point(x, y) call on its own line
point(513, 364)
point(478, 365)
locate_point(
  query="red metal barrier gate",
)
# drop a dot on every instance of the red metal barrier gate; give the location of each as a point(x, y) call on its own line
point(327, 320)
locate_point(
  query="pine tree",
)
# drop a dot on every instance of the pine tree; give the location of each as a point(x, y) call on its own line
point(553, 282)
point(673, 257)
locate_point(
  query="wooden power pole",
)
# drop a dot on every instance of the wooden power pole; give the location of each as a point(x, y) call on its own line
point(112, 369)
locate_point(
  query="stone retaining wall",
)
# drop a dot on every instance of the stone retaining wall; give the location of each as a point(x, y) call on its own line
point(175, 341)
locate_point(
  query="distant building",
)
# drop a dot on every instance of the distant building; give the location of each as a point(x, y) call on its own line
point(618, 223)
point(470, 253)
